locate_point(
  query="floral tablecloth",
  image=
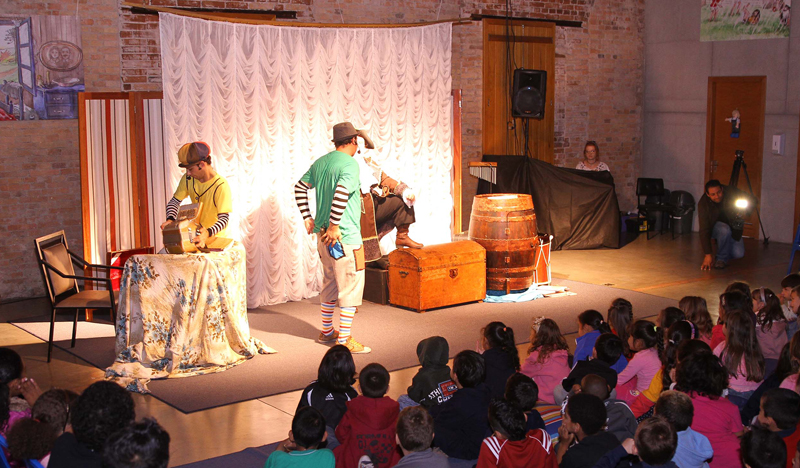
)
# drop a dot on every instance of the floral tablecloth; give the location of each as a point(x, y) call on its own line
point(182, 315)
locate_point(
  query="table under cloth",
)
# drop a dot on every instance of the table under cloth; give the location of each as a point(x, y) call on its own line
point(182, 315)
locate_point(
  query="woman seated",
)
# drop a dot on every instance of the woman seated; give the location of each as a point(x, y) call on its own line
point(591, 158)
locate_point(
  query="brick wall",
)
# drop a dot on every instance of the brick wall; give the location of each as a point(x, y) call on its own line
point(39, 163)
point(599, 89)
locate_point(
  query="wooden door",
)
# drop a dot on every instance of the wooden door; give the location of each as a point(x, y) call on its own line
point(525, 44)
point(747, 94)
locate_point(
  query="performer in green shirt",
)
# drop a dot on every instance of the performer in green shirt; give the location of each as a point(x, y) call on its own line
point(335, 177)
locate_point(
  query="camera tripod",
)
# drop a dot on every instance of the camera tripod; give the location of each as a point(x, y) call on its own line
point(738, 164)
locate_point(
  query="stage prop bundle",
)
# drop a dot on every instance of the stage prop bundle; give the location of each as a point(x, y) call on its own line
point(578, 208)
point(265, 99)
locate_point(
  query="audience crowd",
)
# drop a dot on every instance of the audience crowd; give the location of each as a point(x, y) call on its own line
point(678, 391)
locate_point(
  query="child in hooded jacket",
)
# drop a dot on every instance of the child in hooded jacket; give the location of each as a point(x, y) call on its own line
point(432, 384)
point(368, 427)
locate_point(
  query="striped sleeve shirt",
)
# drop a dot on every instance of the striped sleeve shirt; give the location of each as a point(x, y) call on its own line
point(339, 204)
point(301, 198)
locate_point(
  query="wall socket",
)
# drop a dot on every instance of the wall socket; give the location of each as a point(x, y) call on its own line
point(778, 143)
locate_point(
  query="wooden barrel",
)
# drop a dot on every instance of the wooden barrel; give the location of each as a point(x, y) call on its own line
point(505, 225)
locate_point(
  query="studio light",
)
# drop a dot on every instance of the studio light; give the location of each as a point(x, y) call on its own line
point(741, 203)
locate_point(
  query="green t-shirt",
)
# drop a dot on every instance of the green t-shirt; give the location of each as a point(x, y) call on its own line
point(317, 458)
point(215, 195)
point(337, 168)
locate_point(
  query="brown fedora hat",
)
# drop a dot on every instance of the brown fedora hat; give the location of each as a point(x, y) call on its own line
point(345, 130)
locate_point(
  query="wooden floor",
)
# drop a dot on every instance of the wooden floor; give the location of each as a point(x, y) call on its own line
point(660, 266)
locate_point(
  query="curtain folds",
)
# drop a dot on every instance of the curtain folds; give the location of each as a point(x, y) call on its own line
point(265, 98)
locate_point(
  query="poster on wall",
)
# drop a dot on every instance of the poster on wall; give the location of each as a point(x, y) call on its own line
point(41, 67)
point(733, 20)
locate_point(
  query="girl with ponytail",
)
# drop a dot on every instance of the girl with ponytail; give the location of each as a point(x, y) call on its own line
point(770, 326)
point(645, 341)
point(590, 326)
point(620, 316)
point(500, 356)
point(676, 334)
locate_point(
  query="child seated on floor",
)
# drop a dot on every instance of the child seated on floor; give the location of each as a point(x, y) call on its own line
point(639, 373)
point(33, 438)
point(301, 449)
point(735, 298)
point(510, 445)
point(666, 318)
point(792, 382)
point(522, 392)
point(763, 449)
point(581, 438)
point(741, 356)
point(22, 391)
point(655, 443)
point(141, 444)
point(590, 326)
point(501, 356)
point(694, 450)
point(703, 378)
point(368, 425)
point(620, 420)
point(414, 438)
point(678, 332)
point(431, 384)
point(696, 310)
point(548, 357)
point(461, 423)
point(620, 316)
point(607, 349)
point(780, 413)
point(770, 327)
point(102, 409)
point(332, 389)
point(788, 283)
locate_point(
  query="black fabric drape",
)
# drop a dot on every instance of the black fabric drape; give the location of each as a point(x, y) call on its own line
point(579, 208)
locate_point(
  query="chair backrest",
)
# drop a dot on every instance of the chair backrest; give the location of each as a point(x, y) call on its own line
point(648, 187)
point(52, 249)
point(682, 199)
point(119, 257)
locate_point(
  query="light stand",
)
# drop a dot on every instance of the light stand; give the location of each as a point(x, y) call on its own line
point(738, 164)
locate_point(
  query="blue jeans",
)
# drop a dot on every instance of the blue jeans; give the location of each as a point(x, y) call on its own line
point(727, 248)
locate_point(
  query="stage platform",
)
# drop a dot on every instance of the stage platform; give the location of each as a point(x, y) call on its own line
point(662, 267)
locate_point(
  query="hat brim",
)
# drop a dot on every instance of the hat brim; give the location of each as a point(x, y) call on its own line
point(344, 137)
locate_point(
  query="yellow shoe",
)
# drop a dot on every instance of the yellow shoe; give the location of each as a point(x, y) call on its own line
point(323, 338)
point(355, 347)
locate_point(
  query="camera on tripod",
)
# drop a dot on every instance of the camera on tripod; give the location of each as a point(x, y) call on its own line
point(739, 204)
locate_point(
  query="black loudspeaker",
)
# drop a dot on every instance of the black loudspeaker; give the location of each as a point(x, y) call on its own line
point(529, 94)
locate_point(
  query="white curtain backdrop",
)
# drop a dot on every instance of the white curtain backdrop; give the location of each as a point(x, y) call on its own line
point(265, 98)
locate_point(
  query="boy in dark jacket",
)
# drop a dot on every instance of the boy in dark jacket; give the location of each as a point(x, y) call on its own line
point(368, 425)
point(607, 350)
point(432, 385)
point(461, 423)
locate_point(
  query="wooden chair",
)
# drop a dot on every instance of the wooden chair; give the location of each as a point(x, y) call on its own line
point(56, 263)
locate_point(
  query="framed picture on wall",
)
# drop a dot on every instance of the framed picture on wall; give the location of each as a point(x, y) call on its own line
point(732, 20)
point(41, 67)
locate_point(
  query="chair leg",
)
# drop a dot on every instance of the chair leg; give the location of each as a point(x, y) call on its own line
point(74, 328)
point(52, 329)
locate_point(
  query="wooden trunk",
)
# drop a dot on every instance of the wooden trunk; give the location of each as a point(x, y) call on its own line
point(437, 275)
